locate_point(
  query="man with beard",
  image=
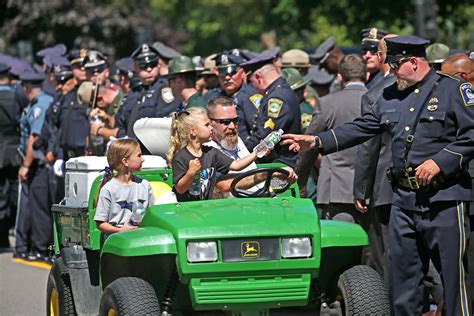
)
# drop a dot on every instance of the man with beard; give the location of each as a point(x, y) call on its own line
point(370, 40)
point(223, 115)
point(430, 118)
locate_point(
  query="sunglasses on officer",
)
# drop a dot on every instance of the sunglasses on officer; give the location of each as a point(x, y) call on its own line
point(396, 64)
point(96, 69)
point(146, 65)
point(227, 70)
point(372, 49)
point(226, 121)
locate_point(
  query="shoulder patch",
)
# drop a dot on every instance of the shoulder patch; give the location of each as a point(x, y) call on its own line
point(269, 124)
point(306, 119)
point(274, 107)
point(36, 113)
point(167, 95)
point(467, 94)
point(256, 99)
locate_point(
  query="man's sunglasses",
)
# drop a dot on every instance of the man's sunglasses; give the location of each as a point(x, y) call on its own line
point(226, 122)
point(145, 66)
point(96, 69)
point(227, 71)
point(372, 50)
point(396, 64)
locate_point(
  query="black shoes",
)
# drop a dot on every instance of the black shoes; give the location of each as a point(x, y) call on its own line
point(20, 255)
point(39, 257)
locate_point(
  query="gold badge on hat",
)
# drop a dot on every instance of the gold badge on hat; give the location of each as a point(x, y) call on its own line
point(432, 104)
point(373, 33)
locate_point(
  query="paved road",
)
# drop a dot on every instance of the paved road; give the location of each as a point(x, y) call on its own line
point(22, 286)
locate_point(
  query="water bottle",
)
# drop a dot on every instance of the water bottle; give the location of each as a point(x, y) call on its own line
point(138, 211)
point(195, 188)
point(268, 143)
point(97, 140)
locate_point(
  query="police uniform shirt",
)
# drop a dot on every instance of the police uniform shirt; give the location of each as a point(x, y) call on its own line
point(374, 79)
point(247, 100)
point(34, 117)
point(50, 129)
point(279, 109)
point(213, 93)
point(306, 115)
point(9, 136)
point(128, 103)
point(196, 100)
point(445, 133)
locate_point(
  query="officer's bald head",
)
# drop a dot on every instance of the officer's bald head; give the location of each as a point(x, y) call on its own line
point(459, 65)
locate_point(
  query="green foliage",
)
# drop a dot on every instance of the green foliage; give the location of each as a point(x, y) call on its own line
point(208, 26)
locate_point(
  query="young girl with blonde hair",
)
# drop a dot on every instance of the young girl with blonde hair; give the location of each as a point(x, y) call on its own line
point(119, 188)
point(195, 167)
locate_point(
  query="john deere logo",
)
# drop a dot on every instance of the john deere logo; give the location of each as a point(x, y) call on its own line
point(250, 249)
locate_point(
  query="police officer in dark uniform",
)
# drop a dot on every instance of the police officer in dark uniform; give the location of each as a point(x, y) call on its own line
point(9, 159)
point(370, 41)
point(74, 138)
point(153, 99)
point(279, 108)
point(233, 84)
point(34, 171)
point(430, 118)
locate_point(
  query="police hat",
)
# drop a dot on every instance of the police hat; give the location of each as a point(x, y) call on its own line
point(180, 65)
point(94, 59)
point(272, 51)
point(320, 76)
point(4, 68)
point(61, 68)
point(295, 58)
point(405, 46)
point(77, 56)
point(145, 53)
point(436, 53)
point(322, 52)
point(294, 78)
point(125, 66)
point(56, 50)
point(32, 77)
point(17, 66)
point(228, 61)
point(256, 63)
point(372, 36)
point(165, 51)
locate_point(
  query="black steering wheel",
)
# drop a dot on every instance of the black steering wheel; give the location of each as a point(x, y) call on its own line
point(275, 181)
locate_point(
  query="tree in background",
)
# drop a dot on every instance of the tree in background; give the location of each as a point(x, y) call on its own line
point(203, 27)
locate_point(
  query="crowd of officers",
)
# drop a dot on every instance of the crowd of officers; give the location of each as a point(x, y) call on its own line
point(72, 103)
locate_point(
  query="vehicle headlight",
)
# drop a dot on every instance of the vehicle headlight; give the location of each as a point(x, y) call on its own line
point(202, 251)
point(298, 247)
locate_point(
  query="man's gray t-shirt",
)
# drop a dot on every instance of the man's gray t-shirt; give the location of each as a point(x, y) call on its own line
point(115, 200)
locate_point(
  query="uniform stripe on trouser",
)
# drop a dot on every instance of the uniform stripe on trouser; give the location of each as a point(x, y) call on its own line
point(462, 249)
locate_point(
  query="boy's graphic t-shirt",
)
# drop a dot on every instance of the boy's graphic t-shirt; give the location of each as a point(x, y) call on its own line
point(115, 200)
point(213, 163)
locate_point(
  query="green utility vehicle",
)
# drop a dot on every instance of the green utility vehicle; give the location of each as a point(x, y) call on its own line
point(263, 252)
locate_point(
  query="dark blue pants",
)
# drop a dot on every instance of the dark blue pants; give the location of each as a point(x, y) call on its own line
point(40, 201)
point(8, 202)
point(441, 234)
point(23, 222)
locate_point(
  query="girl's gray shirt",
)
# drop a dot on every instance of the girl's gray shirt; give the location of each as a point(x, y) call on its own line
point(115, 200)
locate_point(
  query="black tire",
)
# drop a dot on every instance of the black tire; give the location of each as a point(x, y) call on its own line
point(59, 299)
point(364, 292)
point(129, 296)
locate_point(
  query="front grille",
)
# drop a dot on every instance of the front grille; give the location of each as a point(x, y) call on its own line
point(251, 289)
